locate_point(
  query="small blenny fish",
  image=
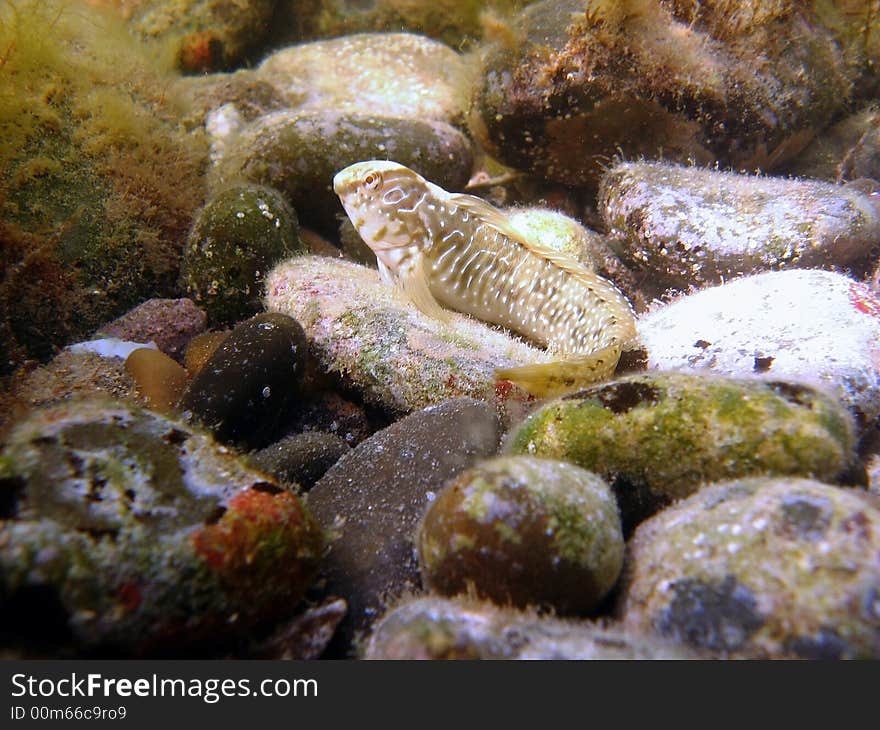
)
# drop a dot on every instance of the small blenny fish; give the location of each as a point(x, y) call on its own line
point(457, 251)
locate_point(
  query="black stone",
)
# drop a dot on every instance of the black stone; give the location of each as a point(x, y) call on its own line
point(250, 382)
point(373, 499)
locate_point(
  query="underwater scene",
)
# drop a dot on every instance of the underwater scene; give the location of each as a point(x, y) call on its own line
point(388, 329)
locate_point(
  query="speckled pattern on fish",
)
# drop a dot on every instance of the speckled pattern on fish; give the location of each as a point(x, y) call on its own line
point(458, 251)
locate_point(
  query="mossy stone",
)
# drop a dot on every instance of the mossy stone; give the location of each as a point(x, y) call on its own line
point(667, 433)
point(240, 234)
point(523, 530)
point(760, 568)
point(121, 529)
point(99, 180)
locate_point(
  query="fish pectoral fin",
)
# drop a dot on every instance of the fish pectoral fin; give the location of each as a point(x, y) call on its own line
point(385, 273)
point(414, 283)
point(563, 376)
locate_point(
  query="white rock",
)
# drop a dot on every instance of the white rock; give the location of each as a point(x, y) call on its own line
point(811, 326)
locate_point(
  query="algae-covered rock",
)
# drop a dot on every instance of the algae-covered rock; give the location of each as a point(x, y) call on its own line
point(686, 226)
point(372, 499)
point(205, 35)
point(523, 531)
point(667, 433)
point(459, 23)
point(574, 84)
point(250, 380)
point(382, 346)
point(240, 234)
point(398, 75)
point(123, 529)
point(815, 326)
point(299, 153)
point(97, 180)
point(849, 150)
point(439, 628)
point(761, 568)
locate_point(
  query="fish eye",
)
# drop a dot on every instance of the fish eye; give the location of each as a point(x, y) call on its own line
point(372, 180)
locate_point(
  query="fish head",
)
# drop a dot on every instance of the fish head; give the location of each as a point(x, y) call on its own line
point(382, 199)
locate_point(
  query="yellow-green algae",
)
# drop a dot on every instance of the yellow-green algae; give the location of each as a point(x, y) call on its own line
point(97, 182)
point(669, 432)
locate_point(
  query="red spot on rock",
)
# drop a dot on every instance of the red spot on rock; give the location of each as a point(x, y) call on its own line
point(503, 389)
point(129, 596)
point(200, 52)
point(451, 381)
point(863, 300)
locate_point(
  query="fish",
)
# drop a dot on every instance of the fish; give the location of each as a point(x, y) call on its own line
point(454, 251)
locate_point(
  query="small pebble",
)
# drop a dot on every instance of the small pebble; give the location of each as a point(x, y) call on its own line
point(302, 458)
point(161, 381)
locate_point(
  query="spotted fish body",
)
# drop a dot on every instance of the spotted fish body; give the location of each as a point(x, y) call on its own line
point(457, 251)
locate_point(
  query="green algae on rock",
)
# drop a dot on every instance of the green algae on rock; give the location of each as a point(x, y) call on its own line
point(126, 530)
point(398, 75)
point(761, 568)
point(240, 234)
point(392, 354)
point(298, 153)
point(370, 502)
point(523, 531)
point(686, 226)
point(577, 84)
point(666, 433)
point(559, 232)
point(205, 35)
point(432, 627)
point(97, 181)
point(250, 380)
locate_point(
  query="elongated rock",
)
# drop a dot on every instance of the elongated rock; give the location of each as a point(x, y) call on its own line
point(400, 75)
point(298, 152)
point(439, 628)
point(381, 345)
point(668, 432)
point(686, 226)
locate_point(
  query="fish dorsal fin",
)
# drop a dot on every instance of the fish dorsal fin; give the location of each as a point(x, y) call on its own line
point(495, 218)
point(414, 282)
point(488, 214)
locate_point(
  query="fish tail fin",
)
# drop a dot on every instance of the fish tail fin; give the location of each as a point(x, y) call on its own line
point(563, 376)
